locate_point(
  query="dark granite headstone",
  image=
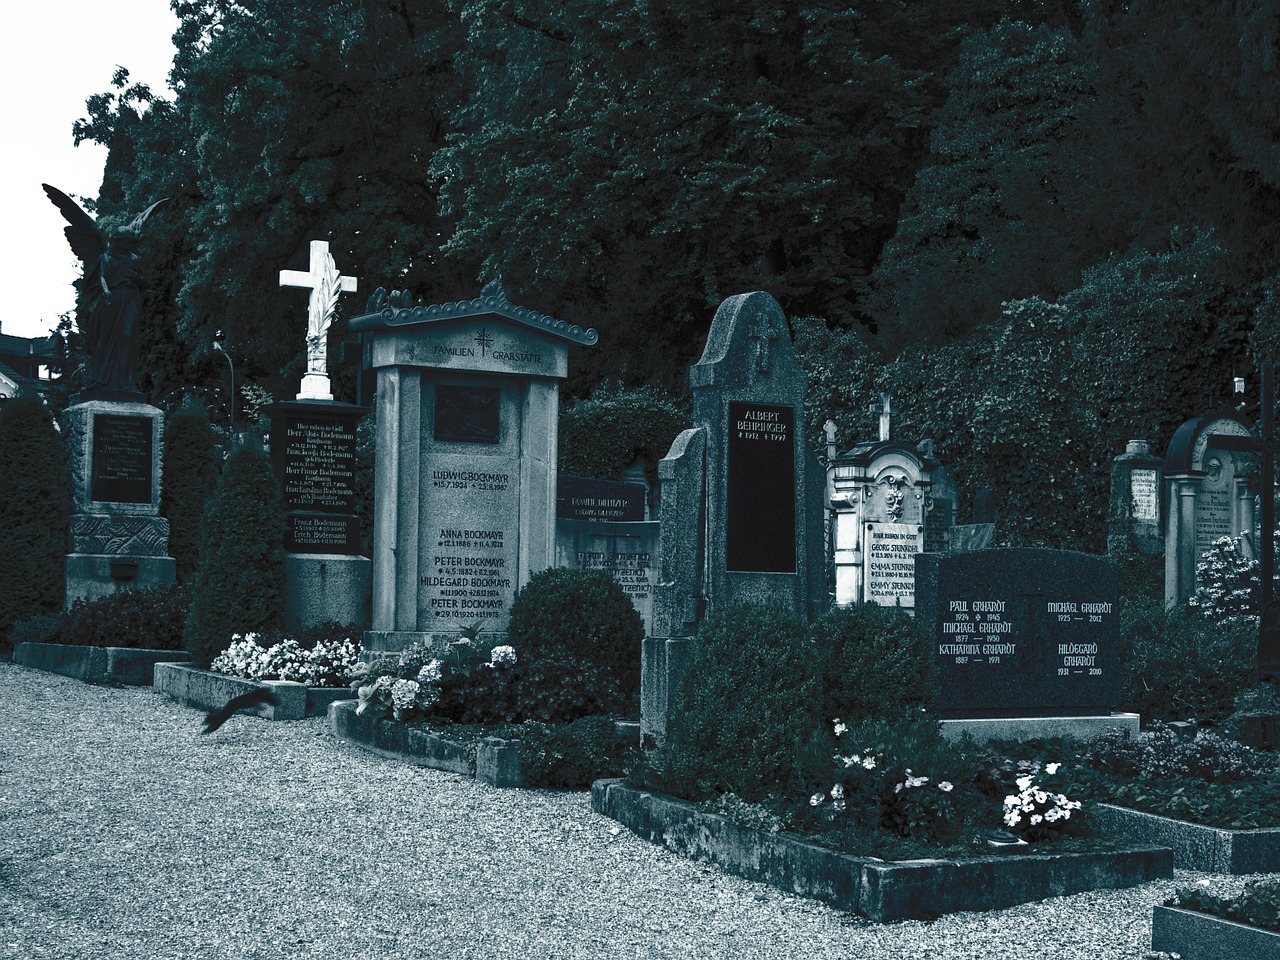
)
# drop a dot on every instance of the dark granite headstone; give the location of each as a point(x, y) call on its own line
point(1021, 632)
point(581, 498)
point(313, 452)
point(760, 511)
point(122, 459)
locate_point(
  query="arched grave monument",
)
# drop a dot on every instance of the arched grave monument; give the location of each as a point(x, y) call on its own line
point(1207, 495)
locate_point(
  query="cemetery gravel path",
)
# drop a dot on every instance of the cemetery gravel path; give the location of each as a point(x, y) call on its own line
point(125, 833)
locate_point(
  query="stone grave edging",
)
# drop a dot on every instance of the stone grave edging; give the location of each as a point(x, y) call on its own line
point(1202, 936)
point(879, 890)
point(127, 666)
point(497, 761)
point(1196, 846)
point(206, 690)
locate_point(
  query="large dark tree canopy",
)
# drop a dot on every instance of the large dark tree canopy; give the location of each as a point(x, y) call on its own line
point(932, 181)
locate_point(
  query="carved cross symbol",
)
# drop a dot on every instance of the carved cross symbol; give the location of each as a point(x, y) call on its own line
point(885, 409)
point(325, 284)
point(484, 340)
point(764, 335)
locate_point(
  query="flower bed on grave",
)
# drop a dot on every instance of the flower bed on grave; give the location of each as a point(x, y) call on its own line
point(1213, 800)
point(478, 709)
point(1199, 925)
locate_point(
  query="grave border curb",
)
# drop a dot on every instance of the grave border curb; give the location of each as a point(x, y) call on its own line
point(497, 761)
point(879, 890)
point(206, 690)
point(1203, 936)
point(1196, 846)
point(125, 666)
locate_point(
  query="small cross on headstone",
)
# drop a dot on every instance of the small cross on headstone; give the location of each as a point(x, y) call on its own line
point(325, 284)
point(885, 409)
point(764, 335)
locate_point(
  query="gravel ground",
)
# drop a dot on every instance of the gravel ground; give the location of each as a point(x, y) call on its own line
point(125, 833)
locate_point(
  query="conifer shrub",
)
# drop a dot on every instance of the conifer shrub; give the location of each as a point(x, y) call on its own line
point(1178, 665)
point(238, 582)
point(150, 619)
point(875, 661)
point(745, 712)
point(38, 629)
point(189, 480)
point(581, 613)
point(35, 507)
point(570, 756)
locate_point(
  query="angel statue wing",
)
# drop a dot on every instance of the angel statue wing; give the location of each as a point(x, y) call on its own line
point(87, 241)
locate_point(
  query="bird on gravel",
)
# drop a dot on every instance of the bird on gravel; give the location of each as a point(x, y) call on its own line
point(245, 701)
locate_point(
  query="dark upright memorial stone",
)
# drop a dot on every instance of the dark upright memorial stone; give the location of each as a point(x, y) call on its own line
point(122, 459)
point(1020, 632)
point(760, 489)
point(582, 498)
point(313, 452)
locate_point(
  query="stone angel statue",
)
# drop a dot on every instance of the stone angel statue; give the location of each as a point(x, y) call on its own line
point(109, 305)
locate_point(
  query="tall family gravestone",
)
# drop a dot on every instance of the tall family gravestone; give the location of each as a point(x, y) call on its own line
point(313, 453)
point(118, 538)
point(882, 499)
point(1133, 520)
point(465, 473)
point(1208, 496)
point(741, 494)
point(1025, 641)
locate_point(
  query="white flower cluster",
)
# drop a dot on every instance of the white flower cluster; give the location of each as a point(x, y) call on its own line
point(910, 781)
point(503, 654)
point(330, 663)
point(404, 693)
point(1035, 805)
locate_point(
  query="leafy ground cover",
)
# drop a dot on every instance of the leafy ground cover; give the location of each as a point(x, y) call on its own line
point(1258, 904)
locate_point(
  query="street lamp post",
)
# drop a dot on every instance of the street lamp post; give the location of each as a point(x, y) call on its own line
point(218, 347)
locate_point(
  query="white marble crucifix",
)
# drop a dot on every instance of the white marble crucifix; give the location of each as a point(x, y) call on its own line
point(325, 284)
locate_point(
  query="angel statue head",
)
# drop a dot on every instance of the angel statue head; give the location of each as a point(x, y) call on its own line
point(109, 305)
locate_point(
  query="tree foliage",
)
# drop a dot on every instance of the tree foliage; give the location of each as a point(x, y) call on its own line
point(35, 506)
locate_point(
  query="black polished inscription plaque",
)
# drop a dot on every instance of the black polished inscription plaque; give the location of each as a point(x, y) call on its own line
point(317, 462)
point(121, 459)
point(581, 498)
point(466, 414)
point(760, 528)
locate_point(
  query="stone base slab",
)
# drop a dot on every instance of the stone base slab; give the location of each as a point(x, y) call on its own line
point(1041, 728)
point(1200, 936)
point(497, 761)
point(323, 587)
point(115, 665)
point(92, 576)
point(879, 890)
point(206, 690)
point(1195, 846)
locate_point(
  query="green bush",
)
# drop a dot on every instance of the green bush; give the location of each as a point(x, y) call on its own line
point(554, 689)
point(604, 434)
point(189, 480)
point(570, 756)
point(35, 512)
point(150, 619)
point(745, 712)
point(41, 629)
point(584, 614)
point(238, 583)
point(875, 662)
point(1178, 665)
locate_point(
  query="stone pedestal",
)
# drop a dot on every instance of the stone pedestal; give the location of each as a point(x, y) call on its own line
point(119, 541)
point(324, 587)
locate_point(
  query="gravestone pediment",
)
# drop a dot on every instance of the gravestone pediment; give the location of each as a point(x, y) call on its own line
point(748, 343)
point(489, 334)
